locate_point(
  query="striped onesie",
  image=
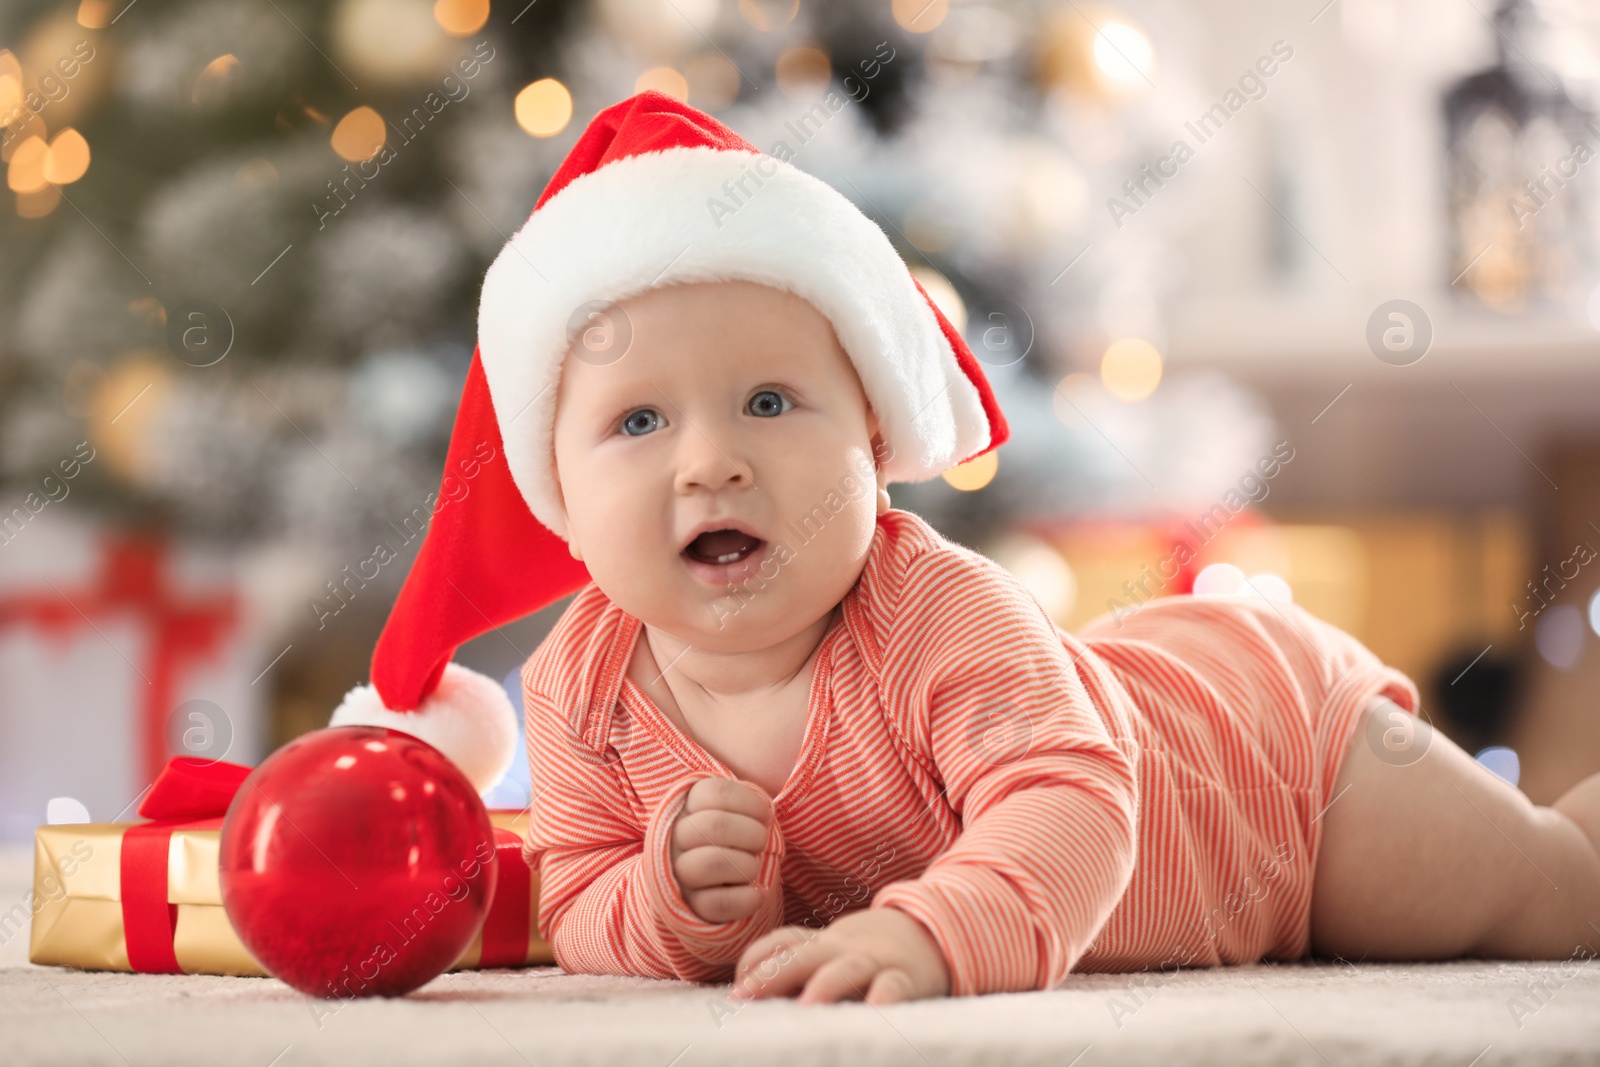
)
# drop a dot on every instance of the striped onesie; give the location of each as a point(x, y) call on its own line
point(1135, 796)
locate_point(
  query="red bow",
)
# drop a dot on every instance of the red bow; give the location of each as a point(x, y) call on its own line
point(188, 794)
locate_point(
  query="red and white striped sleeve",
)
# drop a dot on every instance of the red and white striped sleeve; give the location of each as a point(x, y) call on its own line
point(608, 901)
point(983, 685)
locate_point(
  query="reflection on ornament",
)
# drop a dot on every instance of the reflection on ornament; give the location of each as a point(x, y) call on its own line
point(360, 135)
point(391, 41)
point(663, 80)
point(919, 16)
point(713, 81)
point(803, 72)
point(125, 408)
point(1594, 613)
point(975, 473)
point(544, 108)
point(1131, 369)
point(769, 14)
point(461, 18)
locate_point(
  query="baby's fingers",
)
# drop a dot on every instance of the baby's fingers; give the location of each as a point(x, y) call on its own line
point(770, 965)
point(844, 977)
point(726, 903)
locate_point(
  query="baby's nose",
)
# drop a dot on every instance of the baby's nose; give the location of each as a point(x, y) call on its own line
point(711, 461)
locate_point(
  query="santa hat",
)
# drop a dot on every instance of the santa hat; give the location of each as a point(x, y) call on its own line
point(654, 193)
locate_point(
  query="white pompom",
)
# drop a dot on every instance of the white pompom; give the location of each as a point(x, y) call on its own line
point(468, 718)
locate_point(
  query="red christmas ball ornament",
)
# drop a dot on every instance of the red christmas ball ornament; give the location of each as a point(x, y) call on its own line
point(357, 861)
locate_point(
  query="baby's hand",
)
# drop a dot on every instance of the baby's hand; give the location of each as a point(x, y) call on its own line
point(880, 955)
point(717, 841)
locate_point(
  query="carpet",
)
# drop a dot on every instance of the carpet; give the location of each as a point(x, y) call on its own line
point(1459, 1013)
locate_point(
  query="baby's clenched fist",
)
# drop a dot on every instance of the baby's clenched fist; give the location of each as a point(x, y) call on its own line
point(717, 841)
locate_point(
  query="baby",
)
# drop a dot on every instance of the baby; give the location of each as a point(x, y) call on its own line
point(789, 736)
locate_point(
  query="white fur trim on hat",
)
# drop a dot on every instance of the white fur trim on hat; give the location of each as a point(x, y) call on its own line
point(468, 717)
point(698, 214)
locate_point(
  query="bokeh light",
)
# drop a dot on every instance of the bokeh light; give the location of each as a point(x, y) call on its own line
point(68, 158)
point(26, 172)
point(1502, 762)
point(943, 295)
point(1559, 636)
point(1272, 587)
point(713, 81)
point(1220, 579)
point(769, 14)
point(1122, 55)
point(360, 135)
point(1131, 369)
point(975, 473)
point(803, 72)
point(663, 80)
point(461, 18)
point(544, 108)
point(211, 86)
point(919, 16)
point(1041, 570)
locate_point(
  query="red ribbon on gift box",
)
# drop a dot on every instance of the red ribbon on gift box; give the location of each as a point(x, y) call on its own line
point(194, 794)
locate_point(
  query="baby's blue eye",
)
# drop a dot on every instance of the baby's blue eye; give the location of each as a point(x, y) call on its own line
point(763, 403)
point(634, 427)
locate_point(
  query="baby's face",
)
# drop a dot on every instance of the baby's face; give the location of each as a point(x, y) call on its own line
point(734, 407)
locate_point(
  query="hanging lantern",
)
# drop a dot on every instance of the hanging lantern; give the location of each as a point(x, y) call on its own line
point(1521, 165)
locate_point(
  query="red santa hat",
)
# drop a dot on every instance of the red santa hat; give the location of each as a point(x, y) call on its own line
point(654, 193)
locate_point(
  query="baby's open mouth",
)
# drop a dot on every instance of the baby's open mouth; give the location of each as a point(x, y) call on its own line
point(722, 546)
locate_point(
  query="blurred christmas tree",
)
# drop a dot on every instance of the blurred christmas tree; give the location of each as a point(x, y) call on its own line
point(246, 236)
point(245, 245)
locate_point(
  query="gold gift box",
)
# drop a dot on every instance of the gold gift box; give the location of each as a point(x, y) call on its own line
point(77, 902)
